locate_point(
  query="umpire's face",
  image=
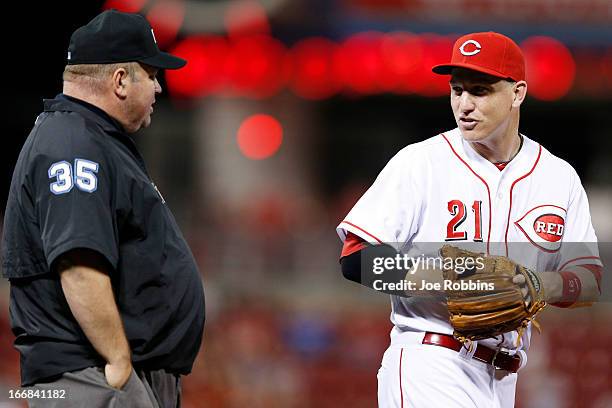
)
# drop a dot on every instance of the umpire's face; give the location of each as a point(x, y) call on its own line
point(140, 97)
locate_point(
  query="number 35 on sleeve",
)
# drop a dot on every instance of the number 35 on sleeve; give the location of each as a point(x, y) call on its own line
point(65, 176)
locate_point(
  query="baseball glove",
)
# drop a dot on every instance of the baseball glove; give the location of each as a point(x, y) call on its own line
point(479, 312)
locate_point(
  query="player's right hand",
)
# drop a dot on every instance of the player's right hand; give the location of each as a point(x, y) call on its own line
point(118, 374)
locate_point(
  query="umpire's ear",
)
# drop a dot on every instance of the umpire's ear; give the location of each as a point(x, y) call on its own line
point(520, 91)
point(120, 81)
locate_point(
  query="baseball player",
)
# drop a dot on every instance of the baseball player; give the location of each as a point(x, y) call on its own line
point(485, 184)
point(106, 300)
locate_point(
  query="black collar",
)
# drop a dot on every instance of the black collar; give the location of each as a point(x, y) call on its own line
point(64, 102)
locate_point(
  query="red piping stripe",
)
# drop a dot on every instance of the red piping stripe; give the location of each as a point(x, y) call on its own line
point(400, 378)
point(511, 187)
point(577, 259)
point(539, 206)
point(485, 183)
point(362, 230)
point(551, 251)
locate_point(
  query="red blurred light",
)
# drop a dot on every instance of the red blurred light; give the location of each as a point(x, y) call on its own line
point(550, 68)
point(402, 54)
point(246, 17)
point(257, 66)
point(128, 6)
point(166, 17)
point(312, 68)
point(358, 64)
point(205, 70)
point(437, 50)
point(260, 136)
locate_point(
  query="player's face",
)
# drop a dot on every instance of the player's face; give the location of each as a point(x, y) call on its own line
point(482, 104)
point(141, 97)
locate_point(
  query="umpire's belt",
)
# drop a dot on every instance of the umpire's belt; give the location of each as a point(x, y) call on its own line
point(496, 358)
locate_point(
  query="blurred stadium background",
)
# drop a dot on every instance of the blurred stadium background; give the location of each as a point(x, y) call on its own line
point(286, 112)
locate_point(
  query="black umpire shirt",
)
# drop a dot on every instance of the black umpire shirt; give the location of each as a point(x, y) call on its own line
point(80, 182)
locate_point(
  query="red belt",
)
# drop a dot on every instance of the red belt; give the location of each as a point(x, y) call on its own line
point(496, 358)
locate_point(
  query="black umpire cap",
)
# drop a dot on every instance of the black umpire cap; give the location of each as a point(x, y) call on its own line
point(113, 36)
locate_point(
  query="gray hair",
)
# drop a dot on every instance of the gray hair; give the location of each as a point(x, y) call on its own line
point(93, 75)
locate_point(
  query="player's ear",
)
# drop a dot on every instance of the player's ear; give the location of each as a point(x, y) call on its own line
point(519, 90)
point(120, 79)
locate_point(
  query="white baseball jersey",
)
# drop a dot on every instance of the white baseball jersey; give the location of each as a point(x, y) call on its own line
point(442, 190)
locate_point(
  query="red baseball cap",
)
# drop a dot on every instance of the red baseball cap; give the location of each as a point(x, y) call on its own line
point(491, 53)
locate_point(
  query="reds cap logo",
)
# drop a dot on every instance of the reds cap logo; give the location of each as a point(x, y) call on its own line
point(470, 47)
point(543, 226)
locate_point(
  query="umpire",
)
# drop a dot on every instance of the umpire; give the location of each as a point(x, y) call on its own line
point(106, 301)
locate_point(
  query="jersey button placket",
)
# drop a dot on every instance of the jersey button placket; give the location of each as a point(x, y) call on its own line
point(500, 212)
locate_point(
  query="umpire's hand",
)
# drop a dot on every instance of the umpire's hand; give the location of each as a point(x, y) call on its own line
point(118, 374)
point(85, 278)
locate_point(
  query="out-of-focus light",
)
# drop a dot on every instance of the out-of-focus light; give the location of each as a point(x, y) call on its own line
point(246, 17)
point(358, 63)
point(550, 68)
point(128, 6)
point(257, 66)
point(260, 136)
point(437, 50)
point(166, 17)
point(312, 68)
point(205, 70)
point(402, 54)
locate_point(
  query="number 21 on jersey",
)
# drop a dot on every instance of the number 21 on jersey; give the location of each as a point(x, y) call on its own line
point(457, 210)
